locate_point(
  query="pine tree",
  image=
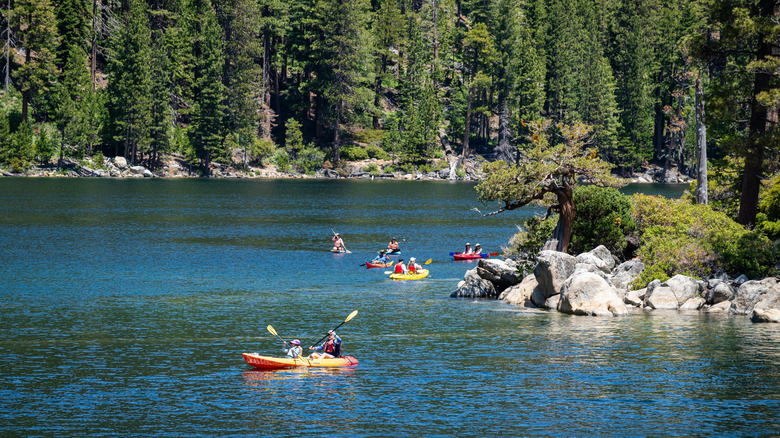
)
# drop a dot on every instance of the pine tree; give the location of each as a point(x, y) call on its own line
point(160, 123)
point(209, 110)
point(342, 74)
point(73, 25)
point(130, 83)
point(38, 37)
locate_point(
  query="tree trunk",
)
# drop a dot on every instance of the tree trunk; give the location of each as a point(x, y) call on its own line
point(504, 150)
point(561, 236)
point(336, 133)
point(760, 119)
point(468, 127)
point(701, 146)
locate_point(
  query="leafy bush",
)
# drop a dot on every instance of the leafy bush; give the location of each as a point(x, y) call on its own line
point(678, 237)
point(282, 160)
point(389, 169)
point(372, 168)
point(377, 152)
point(309, 159)
point(263, 149)
point(603, 217)
point(99, 160)
point(525, 245)
point(353, 153)
point(407, 168)
point(425, 168)
point(369, 136)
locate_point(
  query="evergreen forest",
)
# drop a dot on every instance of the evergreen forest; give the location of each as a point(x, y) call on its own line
point(307, 84)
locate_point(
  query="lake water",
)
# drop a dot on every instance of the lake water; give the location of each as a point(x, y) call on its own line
point(126, 305)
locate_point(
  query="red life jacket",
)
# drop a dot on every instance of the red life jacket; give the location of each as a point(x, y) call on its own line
point(399, 268)
point(412, 269)
point(332, 348)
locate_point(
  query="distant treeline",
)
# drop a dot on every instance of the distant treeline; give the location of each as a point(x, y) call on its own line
point(299, 82)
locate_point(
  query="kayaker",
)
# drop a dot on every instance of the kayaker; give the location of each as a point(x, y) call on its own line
point(413, 267)
point(468, 249)
point(295, 350)
point(330, 348)
point(400, 267)
point(338, 243)
point(381, 258)
point(477, 249)
point(392, 246)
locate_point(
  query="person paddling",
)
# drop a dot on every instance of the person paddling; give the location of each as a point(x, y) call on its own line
point(477, 249)
point(381, 258)
point(413, 267)
point(468, 249)
point(400, 268)
point(330, 348)
point(392, 246)
point(338, 243)
point(295, 350)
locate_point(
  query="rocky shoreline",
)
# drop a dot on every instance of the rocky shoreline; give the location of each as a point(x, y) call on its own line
point(177, 167)
point(592, 284)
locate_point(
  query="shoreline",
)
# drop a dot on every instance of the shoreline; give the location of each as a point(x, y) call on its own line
point(175, 168)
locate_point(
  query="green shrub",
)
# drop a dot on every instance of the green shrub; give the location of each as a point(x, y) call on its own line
point(407, 168)
point(525, 245)
point(98, 160)
point(262, 149)
point(377, 152)
point(389, 169)
point(678, 237)
point(353, 153)
point(424, 168)
point(369, 136)
point(603, 217)
point(282, 160)
point(372, 168)
point(309, 159)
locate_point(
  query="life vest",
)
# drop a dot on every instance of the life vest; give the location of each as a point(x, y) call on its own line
point(332, 348)
point(399, 268)
point(412, 269)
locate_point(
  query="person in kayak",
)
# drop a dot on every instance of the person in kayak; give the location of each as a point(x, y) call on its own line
point(381, 258)
point(293, 351)
point(330, 348)
point(338, 243)
point(400, 267)
point(468, 249)
point(392, 246)
point(477, 249)
point(413, 267)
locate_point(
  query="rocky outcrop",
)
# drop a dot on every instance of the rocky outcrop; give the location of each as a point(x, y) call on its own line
point(552, 270)
point(520, 294)
point(586, 293)
point(591, 284)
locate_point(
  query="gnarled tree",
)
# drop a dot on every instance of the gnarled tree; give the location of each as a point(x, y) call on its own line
point(554, 162)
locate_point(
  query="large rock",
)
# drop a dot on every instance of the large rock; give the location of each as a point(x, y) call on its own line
point(520, 294)
point(593, 260)
point(722, 307)
point(626, 273)
point(552, 270)
point(672, 293)
point(474, 287)
point(751, 293)
point(601, 253)
point(765, 315)
point(141, 170)
point(720, 293)
point(694, 303)
point(586, 293)
point(498, 272)
point(635, 298)
point(120, 162)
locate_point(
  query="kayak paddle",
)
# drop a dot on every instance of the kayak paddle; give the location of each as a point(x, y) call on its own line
point(351, 315)
point(428, 262)
point(273, 332)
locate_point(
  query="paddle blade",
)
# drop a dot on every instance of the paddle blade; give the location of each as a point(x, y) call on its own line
point(351, 315)
point(453, 253)
point(388, 272)
point(493, 254)
point(271, 329)
point(428, 262)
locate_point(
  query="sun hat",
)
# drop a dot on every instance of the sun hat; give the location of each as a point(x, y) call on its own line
point(468, 244)
point(478, 245)
point(412, 259)
point(295, 342)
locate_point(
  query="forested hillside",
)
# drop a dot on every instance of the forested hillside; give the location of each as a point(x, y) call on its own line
point(303, 84)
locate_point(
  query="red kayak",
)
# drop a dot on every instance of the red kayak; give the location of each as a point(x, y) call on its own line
point(378, 264)
point(461, 256)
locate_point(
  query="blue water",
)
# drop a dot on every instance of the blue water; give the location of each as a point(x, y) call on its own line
point(126, 305)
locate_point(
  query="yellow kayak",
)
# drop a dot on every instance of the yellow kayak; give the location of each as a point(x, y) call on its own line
point(422, 273)
point(269, 362)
